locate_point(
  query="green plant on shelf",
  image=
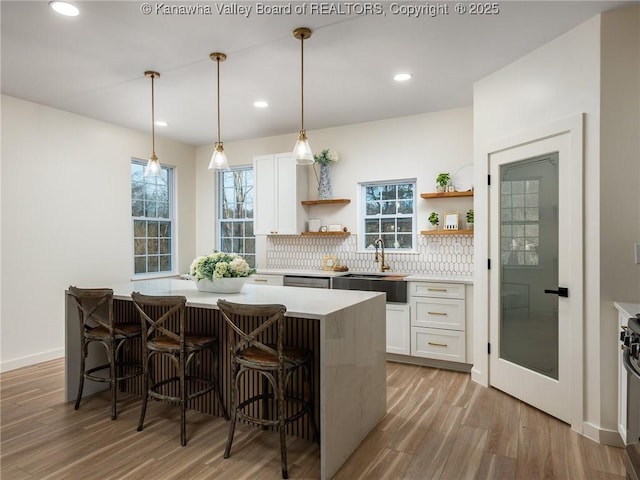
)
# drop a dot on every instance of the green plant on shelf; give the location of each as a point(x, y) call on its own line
point(434, 219)
point(470, 216)
point(443, 179)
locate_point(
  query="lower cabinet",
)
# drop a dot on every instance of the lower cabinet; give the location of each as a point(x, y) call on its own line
point(265, 279)
point(438, 344)
point(438, 321)
point(398, 334)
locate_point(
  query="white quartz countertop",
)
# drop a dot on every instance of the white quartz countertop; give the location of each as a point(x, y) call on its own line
point(417, 277)
point(628, 309)
point(300, 302)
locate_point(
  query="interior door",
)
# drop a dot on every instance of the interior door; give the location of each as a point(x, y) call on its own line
point(531, 302)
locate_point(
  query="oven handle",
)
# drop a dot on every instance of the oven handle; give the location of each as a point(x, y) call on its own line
point(627, 364)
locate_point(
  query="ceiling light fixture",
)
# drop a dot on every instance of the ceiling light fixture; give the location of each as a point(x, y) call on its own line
point(153, 167)
point(218, 159)
point(402, 77)
point(261, 104)
point(65, 8)
point(302, 150)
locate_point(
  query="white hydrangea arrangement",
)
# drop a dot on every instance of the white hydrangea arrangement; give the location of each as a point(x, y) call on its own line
point(220, 265)
point(326, 156)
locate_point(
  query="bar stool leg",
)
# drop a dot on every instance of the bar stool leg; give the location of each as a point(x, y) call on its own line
point(83, 355)
point(145, 391)
point(234, 396)
point(183, 400)
point(282, 425)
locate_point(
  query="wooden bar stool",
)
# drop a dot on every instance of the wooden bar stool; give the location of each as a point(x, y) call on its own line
point(164, 335)
point(275, 364)
point(97, 324)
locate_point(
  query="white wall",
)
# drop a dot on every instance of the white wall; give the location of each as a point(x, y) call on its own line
point(562, 79)
point(419, 146)
point(66, 217)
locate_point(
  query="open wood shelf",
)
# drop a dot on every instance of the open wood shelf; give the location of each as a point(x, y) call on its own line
point(468, 193)
point(446, 232)
point(325, 234)
point(332, 201)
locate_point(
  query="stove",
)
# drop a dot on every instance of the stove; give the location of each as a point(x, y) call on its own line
point(630, 338)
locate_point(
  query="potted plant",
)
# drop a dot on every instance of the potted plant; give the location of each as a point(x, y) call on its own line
point(470, 219)
point(434, 220)
point(442, 180)
point(220, 272)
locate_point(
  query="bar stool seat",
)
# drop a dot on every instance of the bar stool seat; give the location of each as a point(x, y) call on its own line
point(164, 335)
point(97, 324)
point(275, 363)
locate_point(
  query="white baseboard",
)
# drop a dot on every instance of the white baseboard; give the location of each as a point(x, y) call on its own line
point(29, 360)
point(602, 436)
point(478, 377)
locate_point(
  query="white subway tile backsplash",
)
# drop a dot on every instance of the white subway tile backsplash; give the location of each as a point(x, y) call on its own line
point(446, 254)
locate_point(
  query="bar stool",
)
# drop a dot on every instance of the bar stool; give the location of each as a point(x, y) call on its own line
point(164, 335)
point(97, 324)
point(274, 363)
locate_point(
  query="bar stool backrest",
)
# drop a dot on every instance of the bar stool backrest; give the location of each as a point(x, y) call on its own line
point(240, 340)
point(95, 308)
point(157, 313)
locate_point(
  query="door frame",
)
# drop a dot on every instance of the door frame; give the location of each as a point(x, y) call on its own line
point(574, 127)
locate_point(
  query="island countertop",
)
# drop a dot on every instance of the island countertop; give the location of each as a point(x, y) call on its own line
point(300, 302)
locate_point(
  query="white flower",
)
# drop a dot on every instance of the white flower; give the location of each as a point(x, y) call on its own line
point(220, 265)
point(333, 156)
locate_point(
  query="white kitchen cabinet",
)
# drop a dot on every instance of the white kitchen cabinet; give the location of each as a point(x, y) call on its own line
point(265, 279)
point(280, 185)
point(398, 329)
point(438, 320)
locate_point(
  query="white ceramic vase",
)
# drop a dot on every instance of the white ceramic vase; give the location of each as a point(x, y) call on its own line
point(221, 285)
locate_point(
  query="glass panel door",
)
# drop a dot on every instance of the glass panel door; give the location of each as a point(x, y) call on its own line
point(529, 263)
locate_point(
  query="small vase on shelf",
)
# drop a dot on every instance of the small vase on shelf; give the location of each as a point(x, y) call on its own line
point(324, 184)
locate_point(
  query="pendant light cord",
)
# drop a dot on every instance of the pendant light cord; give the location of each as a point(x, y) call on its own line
point(153, 118)
point(302, 81)
point(218, 90)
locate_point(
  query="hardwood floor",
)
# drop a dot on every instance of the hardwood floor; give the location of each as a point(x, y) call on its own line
point(439, 425)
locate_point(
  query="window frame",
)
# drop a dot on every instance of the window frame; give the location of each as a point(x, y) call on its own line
point(172, 185)
point(362, 247)
point(220, 220)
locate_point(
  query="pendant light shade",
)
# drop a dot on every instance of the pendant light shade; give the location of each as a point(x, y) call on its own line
point(153, 167)
point(302, 150)
point(218, 159)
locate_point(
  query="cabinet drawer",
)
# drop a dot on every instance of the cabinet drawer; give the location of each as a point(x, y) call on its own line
point(438, 344)
point(440, 290)
point(266, 279)
point(438, 313)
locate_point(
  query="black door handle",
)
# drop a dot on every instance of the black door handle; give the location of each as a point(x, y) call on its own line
point(561, 291)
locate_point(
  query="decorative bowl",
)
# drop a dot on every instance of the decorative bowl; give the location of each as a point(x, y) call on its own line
point(221, 285)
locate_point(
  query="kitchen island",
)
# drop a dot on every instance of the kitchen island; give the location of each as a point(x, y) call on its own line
point(345, 329)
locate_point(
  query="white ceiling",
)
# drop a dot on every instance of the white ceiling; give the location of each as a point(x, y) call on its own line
point(94, 64)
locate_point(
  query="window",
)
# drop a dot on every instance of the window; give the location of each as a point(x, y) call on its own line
point(152, 212)
point(519, 210)
point(389, 213)
point(235, 213)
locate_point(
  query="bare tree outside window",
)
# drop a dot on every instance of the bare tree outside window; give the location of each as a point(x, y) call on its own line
point(235, 213)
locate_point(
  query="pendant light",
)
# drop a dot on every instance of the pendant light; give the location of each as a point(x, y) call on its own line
point(153, 167)
point(302, 150)
point(218, 159)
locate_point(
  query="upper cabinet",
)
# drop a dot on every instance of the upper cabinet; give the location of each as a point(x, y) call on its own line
point(280, 186)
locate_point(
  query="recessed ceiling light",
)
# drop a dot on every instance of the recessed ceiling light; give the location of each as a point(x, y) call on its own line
point(260, 104)
point(65, 8)
point(402, 77)
point(161, 123)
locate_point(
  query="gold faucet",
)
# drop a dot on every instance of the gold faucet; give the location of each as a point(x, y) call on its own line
point(383, 266)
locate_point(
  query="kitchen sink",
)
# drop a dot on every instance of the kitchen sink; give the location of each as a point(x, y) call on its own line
point(393, 285)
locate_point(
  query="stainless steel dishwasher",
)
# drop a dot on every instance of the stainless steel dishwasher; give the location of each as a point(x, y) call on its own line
point(306, 281)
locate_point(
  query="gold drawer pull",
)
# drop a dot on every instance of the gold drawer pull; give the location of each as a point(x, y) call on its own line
point(437, 313)
point(437, 289)
point(435, 344)
point(263, 280)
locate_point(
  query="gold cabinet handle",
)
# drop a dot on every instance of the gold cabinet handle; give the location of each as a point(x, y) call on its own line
point(261, 280)
point(437, 313)
point(435, 344)
point(437, 289)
